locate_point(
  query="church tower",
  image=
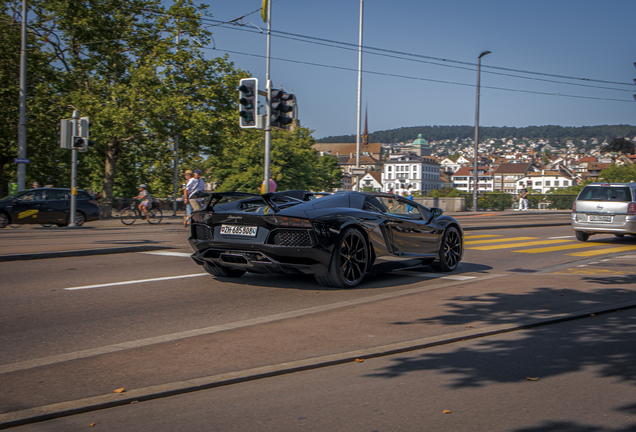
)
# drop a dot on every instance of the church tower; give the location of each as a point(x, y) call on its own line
point(365, 133)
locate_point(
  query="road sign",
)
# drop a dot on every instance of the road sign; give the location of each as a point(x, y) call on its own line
point(22, 160)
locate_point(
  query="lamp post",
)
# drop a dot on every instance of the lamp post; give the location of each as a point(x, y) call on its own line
point(476, 155)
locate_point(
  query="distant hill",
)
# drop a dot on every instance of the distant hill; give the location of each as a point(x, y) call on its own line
point(556, 134)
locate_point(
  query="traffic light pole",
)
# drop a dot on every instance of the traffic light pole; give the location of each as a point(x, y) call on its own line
point(268, 112)
point(22, 130)
point(76, 131)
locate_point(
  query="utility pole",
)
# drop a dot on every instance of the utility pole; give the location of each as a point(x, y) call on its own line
point(359, 117)
point(268, 110)
point(176, 175)
point(22, 143)
point(76, 132)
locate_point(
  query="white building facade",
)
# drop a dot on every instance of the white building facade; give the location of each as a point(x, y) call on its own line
point(421, 172)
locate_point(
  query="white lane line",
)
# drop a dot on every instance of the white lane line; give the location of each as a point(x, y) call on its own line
point(134, 282)
point(163, 253)
point(436, 275)
point(562, 237)
point(44, 361)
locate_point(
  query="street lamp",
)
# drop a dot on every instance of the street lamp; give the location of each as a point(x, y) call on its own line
point(476, 155)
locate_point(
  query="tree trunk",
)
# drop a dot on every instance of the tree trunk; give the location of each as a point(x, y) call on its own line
point(110, 169)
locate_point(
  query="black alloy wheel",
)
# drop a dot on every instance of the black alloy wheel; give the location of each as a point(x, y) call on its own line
point(450, 251)
point(350, 261)
point(222, 271)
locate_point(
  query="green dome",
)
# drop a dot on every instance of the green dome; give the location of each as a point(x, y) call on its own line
point(420, 142)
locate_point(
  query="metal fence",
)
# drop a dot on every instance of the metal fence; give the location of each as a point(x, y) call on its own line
point(504, 201)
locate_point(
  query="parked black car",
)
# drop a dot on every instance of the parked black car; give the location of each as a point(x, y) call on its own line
point(47, 206)
point(339, 238)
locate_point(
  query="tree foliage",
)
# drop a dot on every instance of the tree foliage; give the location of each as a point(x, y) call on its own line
point(621, 145)
point(44, 89)
point(294, 163)
point(619, 174)
point(439, 133)
point(121, 65)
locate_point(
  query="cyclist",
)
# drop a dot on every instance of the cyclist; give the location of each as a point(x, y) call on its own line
point(146, 200)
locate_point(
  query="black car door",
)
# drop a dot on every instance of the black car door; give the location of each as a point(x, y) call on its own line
point(58, 206)
point(411, 234)
point(27, 208)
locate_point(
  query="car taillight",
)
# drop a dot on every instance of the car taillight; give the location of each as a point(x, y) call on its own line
point(288, 221)
point(631, 209)
point(574, 207)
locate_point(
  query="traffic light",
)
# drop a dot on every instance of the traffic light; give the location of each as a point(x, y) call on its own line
point(80, 143)
point(248, 99)
point(279, 108)
point(65, 131)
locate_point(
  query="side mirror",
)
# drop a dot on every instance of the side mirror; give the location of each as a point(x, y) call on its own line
point(436, 212)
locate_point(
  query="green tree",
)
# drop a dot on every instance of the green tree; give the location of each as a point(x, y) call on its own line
point(294, 163)
point(619, 174)
point(622, 145)
point(124, 69)
point(43, 106)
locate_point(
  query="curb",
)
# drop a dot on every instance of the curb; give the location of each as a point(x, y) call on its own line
point(64, 409)
point(81, 252)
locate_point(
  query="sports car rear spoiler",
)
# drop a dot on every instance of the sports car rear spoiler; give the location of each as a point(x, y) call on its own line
point(213, 198)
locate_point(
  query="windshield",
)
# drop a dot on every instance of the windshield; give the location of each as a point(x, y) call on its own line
point(11, 196)
point(606, 193)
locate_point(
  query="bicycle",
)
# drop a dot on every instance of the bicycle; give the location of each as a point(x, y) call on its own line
point(129, 216)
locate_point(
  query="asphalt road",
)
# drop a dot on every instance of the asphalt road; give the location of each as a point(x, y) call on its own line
point(76, 328)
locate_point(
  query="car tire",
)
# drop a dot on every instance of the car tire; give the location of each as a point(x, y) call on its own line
point(450, 251)
point(582, 236)
point(221, 271)
point(349, 261)
point(79, 219)
point(4, 219)
point(619, 235)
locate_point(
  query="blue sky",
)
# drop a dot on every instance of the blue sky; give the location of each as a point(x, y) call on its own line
point(556, 39)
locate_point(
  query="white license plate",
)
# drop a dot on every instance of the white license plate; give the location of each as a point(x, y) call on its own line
point(600, 218)
point(239, 230)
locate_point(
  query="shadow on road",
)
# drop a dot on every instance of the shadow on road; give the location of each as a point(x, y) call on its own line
point(603, 344)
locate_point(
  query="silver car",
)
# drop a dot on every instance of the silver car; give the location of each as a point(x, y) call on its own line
point(605, 208)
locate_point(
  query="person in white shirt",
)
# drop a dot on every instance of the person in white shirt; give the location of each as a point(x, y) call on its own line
point(193, 185)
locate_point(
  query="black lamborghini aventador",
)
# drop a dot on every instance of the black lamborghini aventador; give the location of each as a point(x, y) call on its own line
point(338, 238)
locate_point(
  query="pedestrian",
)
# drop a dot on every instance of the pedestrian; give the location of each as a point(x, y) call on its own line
point(35, 185)
point(409, 195)
point(523, 198)
point(400, 204)
point(186, 218)
point(146, 200)
point(390, 200)
point(194, 184)
point(272, 186)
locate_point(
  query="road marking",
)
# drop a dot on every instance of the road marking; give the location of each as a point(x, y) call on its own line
point(514, 245)
point(557, 248)
point(163, 253)
point(43, 361)
point(499, 240)
point(435, 275)
point(603, 251)
point(482, 236)
point(562, 237)
point(134, 282)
